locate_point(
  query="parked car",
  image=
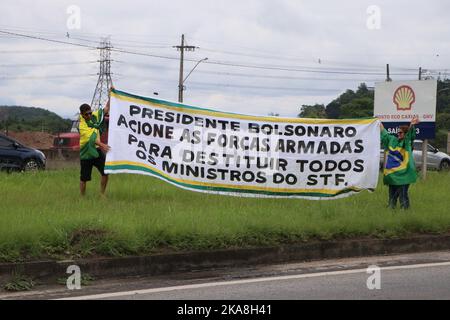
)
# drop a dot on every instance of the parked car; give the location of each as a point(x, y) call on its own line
point(436, 159)
point(16, 157)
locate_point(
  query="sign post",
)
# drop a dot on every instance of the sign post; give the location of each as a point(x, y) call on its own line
point(397, 102)
point(448, 142)
point(424, 145)
point(424, 158)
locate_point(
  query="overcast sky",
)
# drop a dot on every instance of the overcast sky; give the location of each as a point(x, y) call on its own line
point(340, 43)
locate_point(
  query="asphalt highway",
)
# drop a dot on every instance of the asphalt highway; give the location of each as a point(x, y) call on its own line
point(408, 276)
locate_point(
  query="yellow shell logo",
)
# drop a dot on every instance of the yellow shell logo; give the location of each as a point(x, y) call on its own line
point(404, 97)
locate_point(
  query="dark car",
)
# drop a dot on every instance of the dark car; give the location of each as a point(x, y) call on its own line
point(16, 157)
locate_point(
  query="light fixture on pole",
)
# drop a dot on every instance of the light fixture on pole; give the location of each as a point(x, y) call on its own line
point(182, 87)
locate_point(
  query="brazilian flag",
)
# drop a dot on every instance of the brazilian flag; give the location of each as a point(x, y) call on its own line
point(399, 167)
point(89, 131)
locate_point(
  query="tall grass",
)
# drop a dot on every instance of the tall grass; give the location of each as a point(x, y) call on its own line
point(43, 216)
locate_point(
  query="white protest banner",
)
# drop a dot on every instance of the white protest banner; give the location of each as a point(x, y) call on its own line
point(226, 153)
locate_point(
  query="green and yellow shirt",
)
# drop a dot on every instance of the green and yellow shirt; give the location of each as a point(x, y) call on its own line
point(89, 131)
point(399, 167)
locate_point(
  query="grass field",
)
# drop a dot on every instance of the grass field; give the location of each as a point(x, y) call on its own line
point(43, 216)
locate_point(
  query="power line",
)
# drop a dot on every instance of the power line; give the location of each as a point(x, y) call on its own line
point(273, 55)
point(44, 64)
point(87, 46)
point(262, 67)
point(49, 40)
point(295, 69)
point(263, 87)
point(265, 67)
point(314, 56)
point(123, 43)
point(249, 75)
point(148, 54)
point(84, 34)
point(94, 38)
point(28, 31)
point(81, 39)
point(223, 63)
point(41, 51)
point(284, 77)
point(345, 65)
point(209, 84)
point(46, 77)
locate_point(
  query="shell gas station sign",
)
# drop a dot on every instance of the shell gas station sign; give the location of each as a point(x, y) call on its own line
point(397, 102)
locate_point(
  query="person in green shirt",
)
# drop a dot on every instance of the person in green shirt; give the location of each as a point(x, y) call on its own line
point(399, 167)
point(92, 150)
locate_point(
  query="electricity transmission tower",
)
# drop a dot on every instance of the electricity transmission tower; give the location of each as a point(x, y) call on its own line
point(104, 82)
point(100, 97)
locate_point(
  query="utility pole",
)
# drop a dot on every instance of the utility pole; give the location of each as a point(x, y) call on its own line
point(104, 82)
point(424, 145)
point(388, 78)
point(182, 48)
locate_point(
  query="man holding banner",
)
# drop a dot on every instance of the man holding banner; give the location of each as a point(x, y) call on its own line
point(92, 150)
point(399, 167)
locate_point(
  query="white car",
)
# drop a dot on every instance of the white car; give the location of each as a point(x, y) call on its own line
point(435, 159)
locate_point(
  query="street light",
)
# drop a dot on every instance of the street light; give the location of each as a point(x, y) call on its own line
point(181, 87)
point(204, 59)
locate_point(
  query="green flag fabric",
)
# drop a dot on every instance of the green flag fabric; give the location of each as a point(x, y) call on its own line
point(399, 167)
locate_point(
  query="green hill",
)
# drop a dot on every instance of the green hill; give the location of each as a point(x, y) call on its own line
point(17, 118)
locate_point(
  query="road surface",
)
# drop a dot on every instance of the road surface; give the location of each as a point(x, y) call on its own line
point(413, 276)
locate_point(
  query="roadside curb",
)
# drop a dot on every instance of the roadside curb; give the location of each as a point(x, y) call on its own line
point(160, 264)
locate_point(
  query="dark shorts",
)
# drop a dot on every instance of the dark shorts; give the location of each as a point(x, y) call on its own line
point(86, 166)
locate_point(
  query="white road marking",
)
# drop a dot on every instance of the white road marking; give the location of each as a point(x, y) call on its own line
point(245, 281)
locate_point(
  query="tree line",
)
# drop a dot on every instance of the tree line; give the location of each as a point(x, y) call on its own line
point(16, 118)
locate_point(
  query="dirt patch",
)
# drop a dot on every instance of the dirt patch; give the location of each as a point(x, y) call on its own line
point(33, 139)
point(88, 235)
